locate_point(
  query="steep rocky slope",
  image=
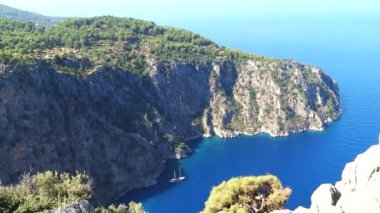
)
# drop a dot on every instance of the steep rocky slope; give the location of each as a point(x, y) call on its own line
point(263, 95)
point(358, 191)
point(71, 111)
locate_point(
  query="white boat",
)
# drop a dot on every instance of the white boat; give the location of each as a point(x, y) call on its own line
point(176, 179)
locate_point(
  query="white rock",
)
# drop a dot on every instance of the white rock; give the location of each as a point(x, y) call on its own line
point(325, 198)
point(357, 192)
point(358, 201)
point(357, 173)
point(302, 209)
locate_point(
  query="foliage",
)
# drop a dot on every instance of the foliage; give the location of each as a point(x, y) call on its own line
point(182, 145)
point(124, 43)
point(112, 209)
point(44, 191)
point(252, 93)
point(135, 208)
point(181, 148)
point(248, 194)
point(122, 208)
point(9, 12)
point(48, 190)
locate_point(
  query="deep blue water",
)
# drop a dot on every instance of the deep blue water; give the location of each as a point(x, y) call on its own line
point(347, 48)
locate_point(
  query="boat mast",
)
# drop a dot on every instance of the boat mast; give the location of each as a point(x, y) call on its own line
point(179, 168)
point(175, 175)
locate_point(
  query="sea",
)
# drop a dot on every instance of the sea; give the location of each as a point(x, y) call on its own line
point(347, 48)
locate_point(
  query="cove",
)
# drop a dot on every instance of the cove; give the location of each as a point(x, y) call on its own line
point(347, 49)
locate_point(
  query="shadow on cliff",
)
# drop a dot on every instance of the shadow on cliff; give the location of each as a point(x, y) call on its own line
point(163, 184)
point(103, 122)
point(192, 94)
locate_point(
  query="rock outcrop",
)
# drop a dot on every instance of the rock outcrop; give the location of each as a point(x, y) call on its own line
point(358, 191)
point(82, 206)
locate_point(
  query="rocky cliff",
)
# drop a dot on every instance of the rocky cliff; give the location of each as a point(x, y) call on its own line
point(121, 126)
point(358, 191)
point(261, 96)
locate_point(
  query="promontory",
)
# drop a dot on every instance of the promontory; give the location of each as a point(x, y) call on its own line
point(118, 97)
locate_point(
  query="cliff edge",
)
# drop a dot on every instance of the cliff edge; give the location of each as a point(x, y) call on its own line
point(358, 191)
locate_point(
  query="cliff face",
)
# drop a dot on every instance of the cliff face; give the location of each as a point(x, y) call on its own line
point(100, 124)
point(270, 96)
point(121, 128)
point(358, 191)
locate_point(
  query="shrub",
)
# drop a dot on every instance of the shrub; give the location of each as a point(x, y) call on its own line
point(49, 190)
point(43, 191)
point(248, 194)
point(112, 209)
point(122, 208)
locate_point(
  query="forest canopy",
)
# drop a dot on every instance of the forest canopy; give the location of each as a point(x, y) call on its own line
point(79, 45)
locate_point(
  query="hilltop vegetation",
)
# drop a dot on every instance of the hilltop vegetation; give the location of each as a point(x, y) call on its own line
point(49, 190)
point(248, 195)
point(78, 45)
point(13, 13)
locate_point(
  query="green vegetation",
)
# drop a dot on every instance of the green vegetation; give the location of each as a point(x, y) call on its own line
point(181, 147)
point(44, 191)
point(248, 194)
point(13, 13)
point(78, 45)
point(252, 92)
point(197, 121)
point(131, 208)
point(49, 190)
point(298, 120)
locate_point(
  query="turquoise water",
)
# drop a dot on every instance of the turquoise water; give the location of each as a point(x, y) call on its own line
point(348, 49)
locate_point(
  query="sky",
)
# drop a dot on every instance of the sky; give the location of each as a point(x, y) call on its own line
point(163, 10)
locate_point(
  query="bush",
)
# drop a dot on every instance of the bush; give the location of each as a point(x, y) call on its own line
point(43, 191)
point(248, 194)
point(112, 209)
point(131, 208)
point(49, 190)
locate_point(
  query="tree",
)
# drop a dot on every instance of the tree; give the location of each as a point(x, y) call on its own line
point(44, 191)
point(248, 194)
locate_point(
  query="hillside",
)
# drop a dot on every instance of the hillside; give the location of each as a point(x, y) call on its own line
point(16, 14)
point(117, 98)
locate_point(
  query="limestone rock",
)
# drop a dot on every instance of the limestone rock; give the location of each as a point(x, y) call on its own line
point(357, 173)
point(360, 184)
point(358, 191)
point(82, 206)
point(325, 198)
point(301, 209)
